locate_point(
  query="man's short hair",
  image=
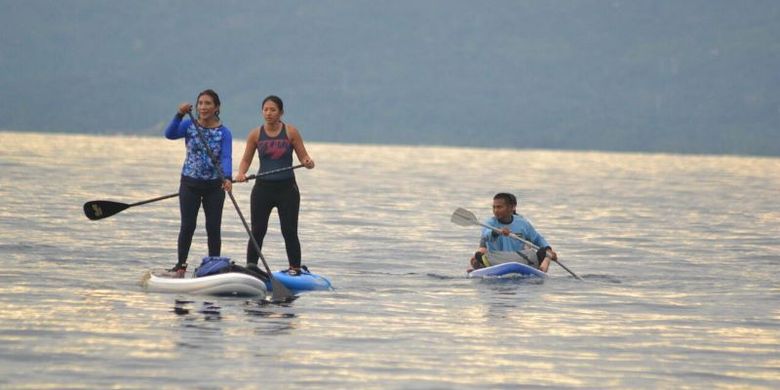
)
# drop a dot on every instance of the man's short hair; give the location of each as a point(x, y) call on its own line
point(507, 197)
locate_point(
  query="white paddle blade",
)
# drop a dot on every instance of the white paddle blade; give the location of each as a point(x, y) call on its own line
point(464, 217)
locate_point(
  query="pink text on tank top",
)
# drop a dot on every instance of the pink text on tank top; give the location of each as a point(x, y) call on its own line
point(273, 148)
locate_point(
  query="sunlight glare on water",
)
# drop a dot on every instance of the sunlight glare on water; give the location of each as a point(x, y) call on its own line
point(679, 256)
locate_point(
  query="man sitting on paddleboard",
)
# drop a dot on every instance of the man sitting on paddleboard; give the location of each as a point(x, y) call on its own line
point(508, 221)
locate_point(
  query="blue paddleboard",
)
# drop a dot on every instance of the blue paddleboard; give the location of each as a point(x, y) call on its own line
point(306, 281)
point(506, 270)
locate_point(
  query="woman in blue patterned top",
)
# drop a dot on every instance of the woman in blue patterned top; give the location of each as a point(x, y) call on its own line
point(200, 182)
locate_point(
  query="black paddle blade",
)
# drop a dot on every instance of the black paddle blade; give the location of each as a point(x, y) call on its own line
point(279, 292)
point(99, 209)
point(464, 217)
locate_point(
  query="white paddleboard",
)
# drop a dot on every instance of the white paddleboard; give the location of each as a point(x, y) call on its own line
point(230, 284)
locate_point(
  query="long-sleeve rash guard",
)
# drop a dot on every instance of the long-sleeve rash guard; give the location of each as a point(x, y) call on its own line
point(197, 163)
point(520, 226)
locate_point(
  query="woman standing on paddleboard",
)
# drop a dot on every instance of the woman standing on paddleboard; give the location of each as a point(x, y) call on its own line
point(275, 141)
point(200, 182)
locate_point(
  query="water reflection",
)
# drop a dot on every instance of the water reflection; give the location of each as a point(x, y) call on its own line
point(679, 254)
point(209, 310)
point(279, 314)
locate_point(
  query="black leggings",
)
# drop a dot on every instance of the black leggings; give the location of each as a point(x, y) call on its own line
point(190, 198)
point(285, 197)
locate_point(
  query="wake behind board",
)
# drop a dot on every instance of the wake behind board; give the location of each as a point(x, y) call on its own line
point(503, 270)
point(226, 284)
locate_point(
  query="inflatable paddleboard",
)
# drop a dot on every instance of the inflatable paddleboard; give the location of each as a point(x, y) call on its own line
point(227, 284)
point(510, 269)
point(231, 283)
point(306, 281)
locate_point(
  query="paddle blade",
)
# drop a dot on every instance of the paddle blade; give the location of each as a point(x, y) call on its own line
point(280, 292)
point(464, 217)
point(99, 209)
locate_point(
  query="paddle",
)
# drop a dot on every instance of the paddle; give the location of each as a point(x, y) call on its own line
point(99, 209)
point(464, 217)
point(280, 291)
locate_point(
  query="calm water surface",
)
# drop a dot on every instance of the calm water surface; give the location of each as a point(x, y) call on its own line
point(679, 255)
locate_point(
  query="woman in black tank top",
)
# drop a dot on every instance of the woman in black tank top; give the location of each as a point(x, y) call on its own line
point(275, 141)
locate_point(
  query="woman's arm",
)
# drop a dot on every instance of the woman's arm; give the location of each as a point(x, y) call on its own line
point(226, 156)
point(249, 154)
point(178, 128)
point(300, 150)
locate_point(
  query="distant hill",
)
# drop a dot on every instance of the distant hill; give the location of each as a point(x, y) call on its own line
point(662, 76)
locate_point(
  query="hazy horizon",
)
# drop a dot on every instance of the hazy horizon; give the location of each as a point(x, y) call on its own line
point(693, 77)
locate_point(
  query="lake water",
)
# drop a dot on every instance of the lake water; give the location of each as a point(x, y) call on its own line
point(679, 254)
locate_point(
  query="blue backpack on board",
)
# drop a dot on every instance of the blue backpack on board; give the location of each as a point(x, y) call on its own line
point(212, 265)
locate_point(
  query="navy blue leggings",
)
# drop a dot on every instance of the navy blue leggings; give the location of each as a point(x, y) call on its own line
point(190, 198)
point(285, 197)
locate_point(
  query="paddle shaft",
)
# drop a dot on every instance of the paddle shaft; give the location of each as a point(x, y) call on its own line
point(250, 177)
point(99, 209)
point(464, 217)
point(532, 245)
point(154, 200)
point(280, 292)
point(515, 236)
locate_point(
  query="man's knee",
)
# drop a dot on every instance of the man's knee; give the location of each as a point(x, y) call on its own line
point(478, 260)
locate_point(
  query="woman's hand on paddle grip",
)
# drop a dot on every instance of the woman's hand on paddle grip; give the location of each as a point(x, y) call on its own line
point(184, 108)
